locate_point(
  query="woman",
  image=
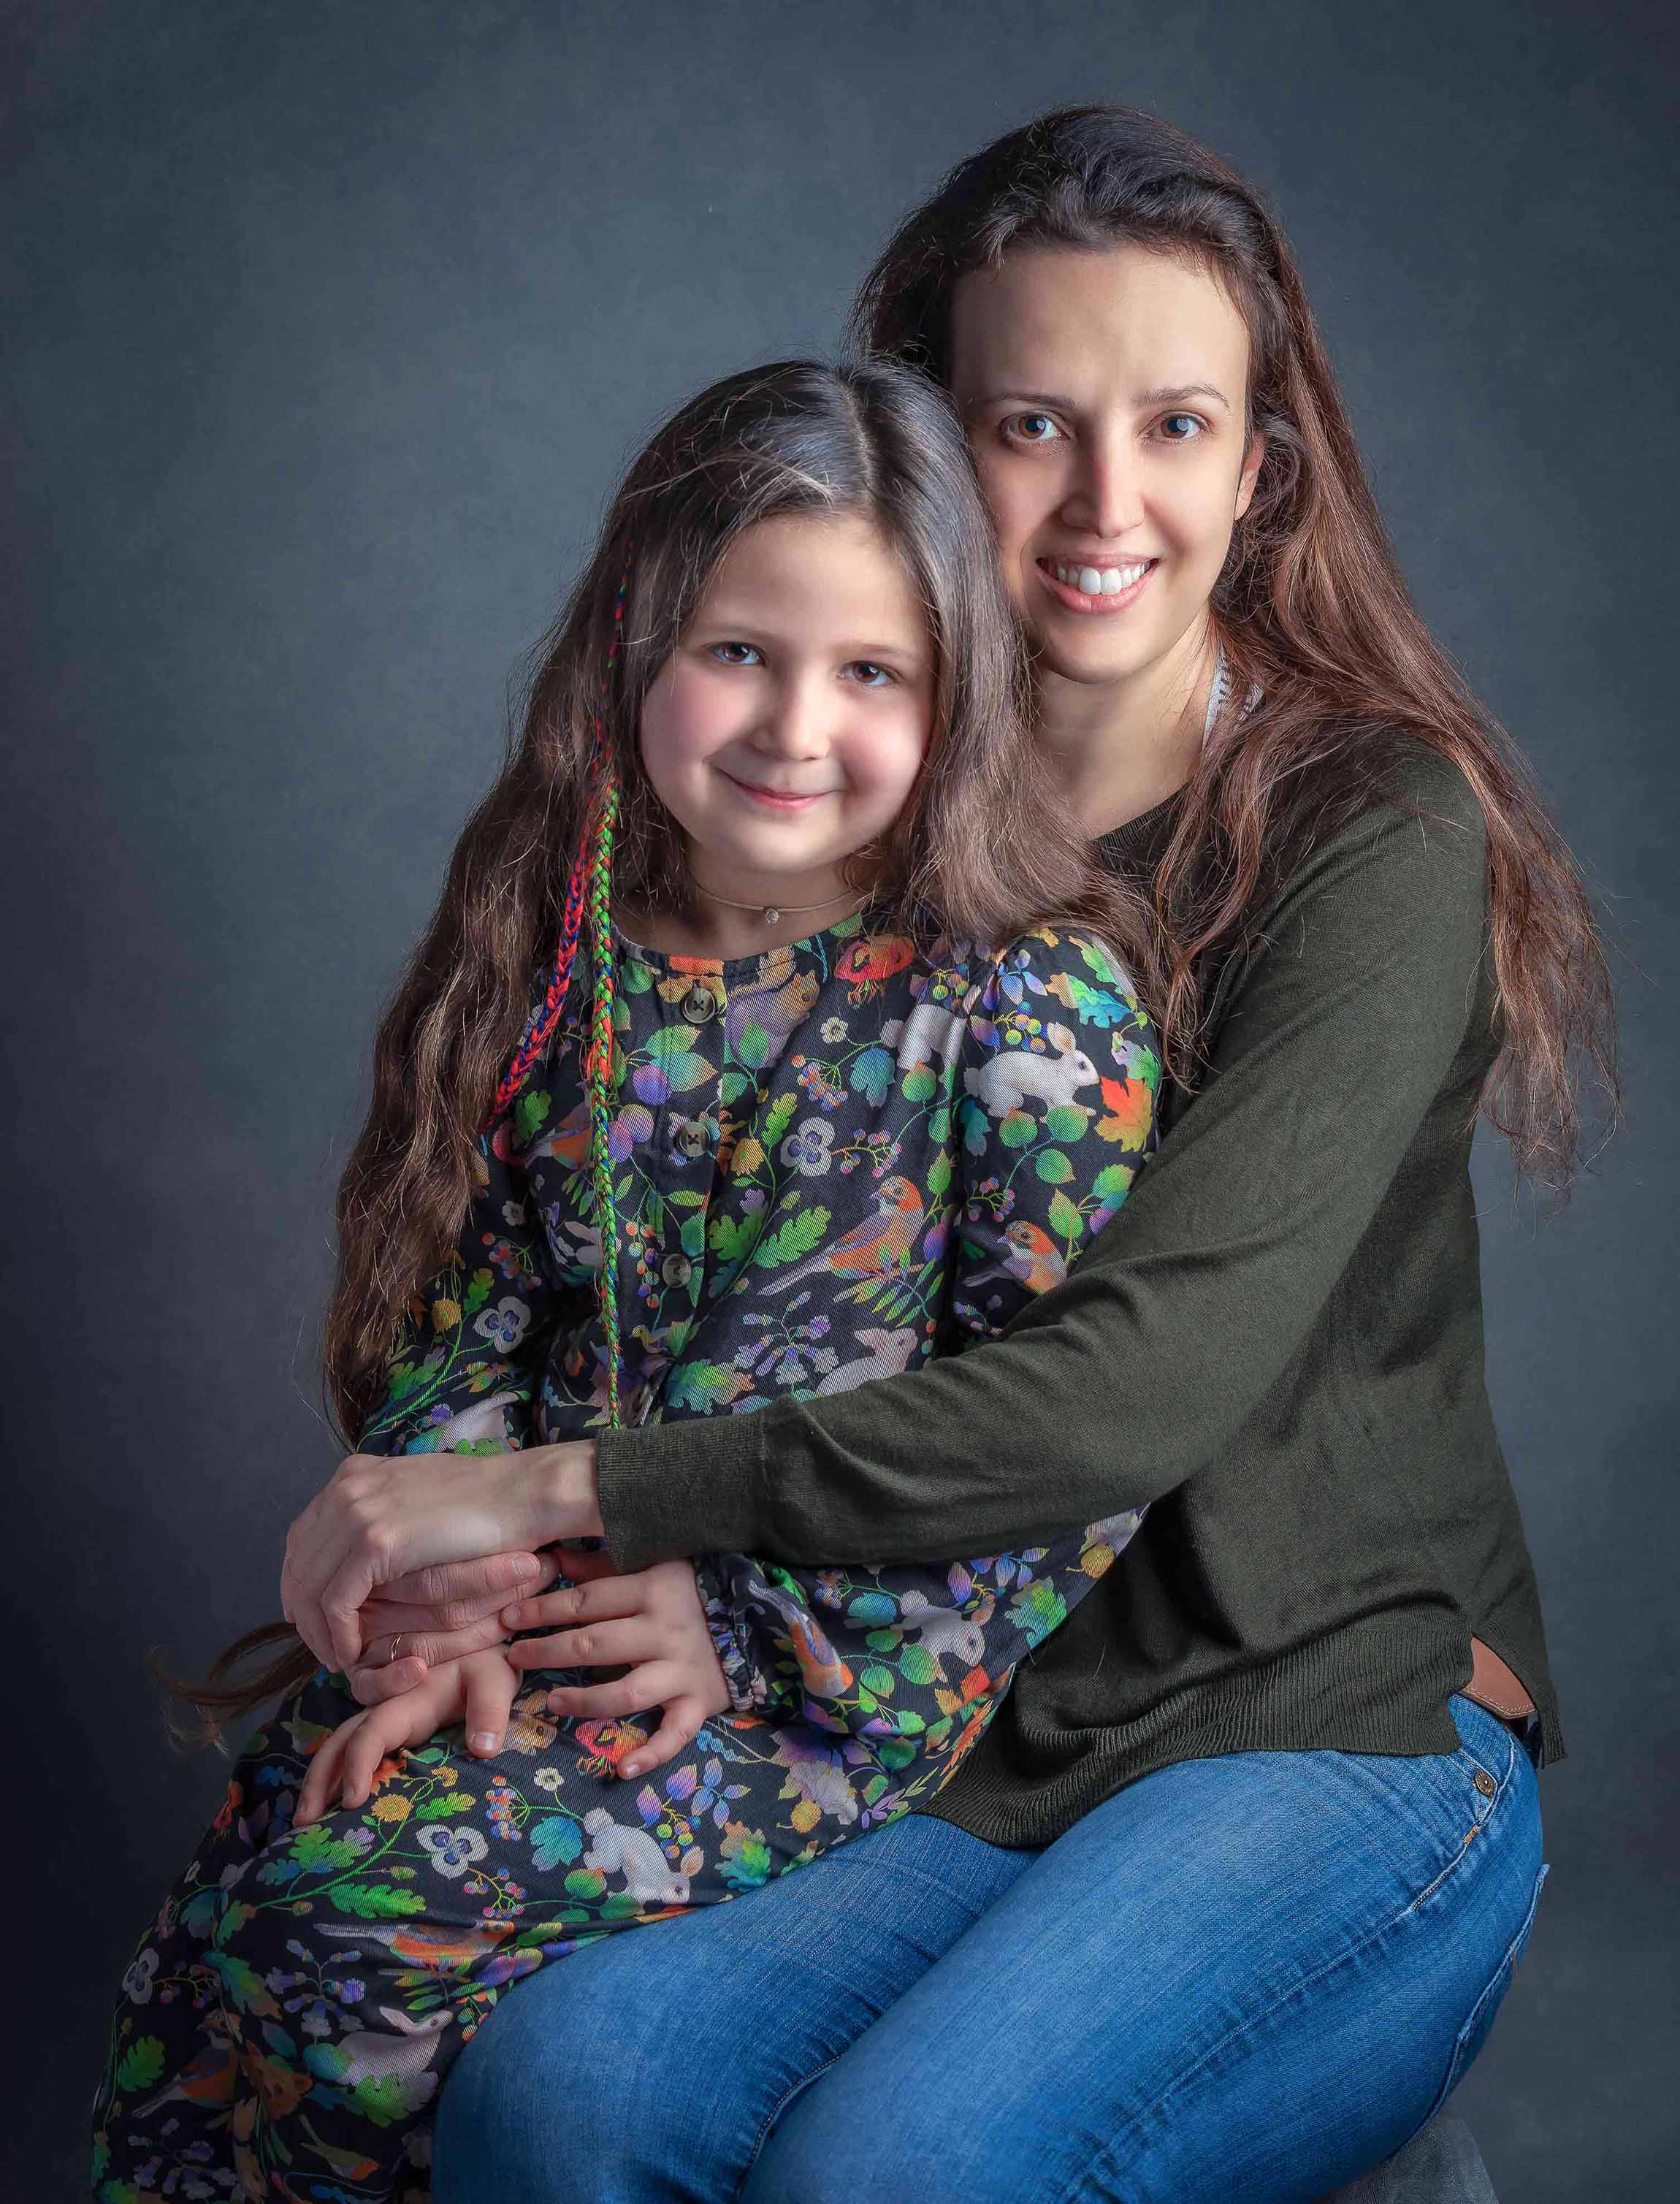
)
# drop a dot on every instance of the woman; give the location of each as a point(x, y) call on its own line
point(1225, 1901)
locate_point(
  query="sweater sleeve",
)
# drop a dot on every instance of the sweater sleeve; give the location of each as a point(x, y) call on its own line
point(1349, 1008)
point(1055, 1074)
point(464, 1375)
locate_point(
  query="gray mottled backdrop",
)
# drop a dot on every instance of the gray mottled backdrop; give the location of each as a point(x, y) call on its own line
point(328, 327)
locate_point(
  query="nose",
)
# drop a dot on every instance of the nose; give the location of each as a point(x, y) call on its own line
point(1105, 496)
point(800, 719)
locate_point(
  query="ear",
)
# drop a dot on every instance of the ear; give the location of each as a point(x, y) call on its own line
point(1250, 473)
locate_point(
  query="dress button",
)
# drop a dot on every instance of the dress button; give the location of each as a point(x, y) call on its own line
point(699, 1004)
point(1484, 1783)
point(689, 1141)
point(677, 1269)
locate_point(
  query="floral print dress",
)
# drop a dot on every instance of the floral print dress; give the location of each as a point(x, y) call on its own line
point(834, 1160)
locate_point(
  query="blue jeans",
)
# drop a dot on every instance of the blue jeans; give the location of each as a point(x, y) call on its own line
point(1246, 1978)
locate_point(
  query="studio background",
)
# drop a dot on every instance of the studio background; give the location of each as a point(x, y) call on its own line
point(327, 329)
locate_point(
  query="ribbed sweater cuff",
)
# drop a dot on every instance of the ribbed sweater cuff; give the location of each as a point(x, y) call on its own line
point(670, 1491)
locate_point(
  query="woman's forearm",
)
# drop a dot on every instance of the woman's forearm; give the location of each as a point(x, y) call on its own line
point(562, 1496)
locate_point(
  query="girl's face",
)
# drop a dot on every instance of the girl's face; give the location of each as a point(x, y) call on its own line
point(1105, 394)
point(788, 726)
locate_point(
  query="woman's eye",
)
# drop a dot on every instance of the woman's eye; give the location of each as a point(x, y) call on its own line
point(1033, 427)
point(1181, 428)
point(724, 652)
point(871, 675)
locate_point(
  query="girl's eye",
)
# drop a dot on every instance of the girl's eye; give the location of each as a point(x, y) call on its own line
point(1033, 427)
point(750, 656)
point(871, 675)
point(1181, 428)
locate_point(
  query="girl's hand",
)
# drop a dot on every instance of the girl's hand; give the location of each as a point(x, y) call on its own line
point(478, 1691)
point(384, 1515)
point(654, 1621)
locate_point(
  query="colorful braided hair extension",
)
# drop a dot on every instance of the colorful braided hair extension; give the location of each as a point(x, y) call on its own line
point(588, 892)
point(598, 1076)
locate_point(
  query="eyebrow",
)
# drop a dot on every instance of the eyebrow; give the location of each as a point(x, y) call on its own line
point(1176, 394)
point(1169, 394)
point(746, 631)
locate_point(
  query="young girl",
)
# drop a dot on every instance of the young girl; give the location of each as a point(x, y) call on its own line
point(754, 1158)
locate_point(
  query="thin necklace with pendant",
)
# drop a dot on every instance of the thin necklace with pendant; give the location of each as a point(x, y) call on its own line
point(771, 913)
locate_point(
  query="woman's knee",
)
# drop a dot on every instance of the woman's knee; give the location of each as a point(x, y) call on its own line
point(545, 2099)
point(626, 2072)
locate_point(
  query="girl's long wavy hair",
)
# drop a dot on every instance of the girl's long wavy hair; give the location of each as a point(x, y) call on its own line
point(981, 850)
point(1311, 607)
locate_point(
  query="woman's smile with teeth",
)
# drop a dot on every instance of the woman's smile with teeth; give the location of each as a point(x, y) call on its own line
point(1099, 581)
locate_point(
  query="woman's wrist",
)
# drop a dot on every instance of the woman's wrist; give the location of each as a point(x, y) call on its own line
point(558, 1485)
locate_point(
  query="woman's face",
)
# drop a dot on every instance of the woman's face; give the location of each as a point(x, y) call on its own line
point(787, 728)
point(1105, 394)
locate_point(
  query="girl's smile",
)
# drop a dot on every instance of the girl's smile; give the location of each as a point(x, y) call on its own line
point(776, 799)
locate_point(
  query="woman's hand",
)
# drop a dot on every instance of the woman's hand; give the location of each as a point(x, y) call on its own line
point(439, 1614)
point(651, 1621)
point(383, 1516)
point(478, 1691)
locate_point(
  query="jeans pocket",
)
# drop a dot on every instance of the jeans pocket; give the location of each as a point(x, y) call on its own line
point(1474, 2033)
point(1485, 1743)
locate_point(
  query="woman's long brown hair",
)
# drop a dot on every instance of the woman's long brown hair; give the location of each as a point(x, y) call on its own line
point(1311, 607)
point(981, 850)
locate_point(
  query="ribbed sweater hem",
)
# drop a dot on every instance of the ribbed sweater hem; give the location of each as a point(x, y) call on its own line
point(1377, 1687)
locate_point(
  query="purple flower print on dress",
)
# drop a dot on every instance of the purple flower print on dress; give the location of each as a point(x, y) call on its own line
point(505, 1325)
point(807, 1150)
point(453, 1850)
point(137, 1983)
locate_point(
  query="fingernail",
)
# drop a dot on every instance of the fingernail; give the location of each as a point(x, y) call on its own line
point(632, 1767)
point(485, 1740)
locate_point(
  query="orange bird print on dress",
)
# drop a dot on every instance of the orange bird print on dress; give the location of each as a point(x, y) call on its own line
point(207, 2078)
point(441, 1949)
point(1033, 1258)
point(568, 1140)
point(821, 1669)
point(869, 1248)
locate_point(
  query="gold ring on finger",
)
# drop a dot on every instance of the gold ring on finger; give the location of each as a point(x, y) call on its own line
point(396, 1648)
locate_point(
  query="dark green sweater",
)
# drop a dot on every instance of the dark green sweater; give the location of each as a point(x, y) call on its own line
point(1278, 1345)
